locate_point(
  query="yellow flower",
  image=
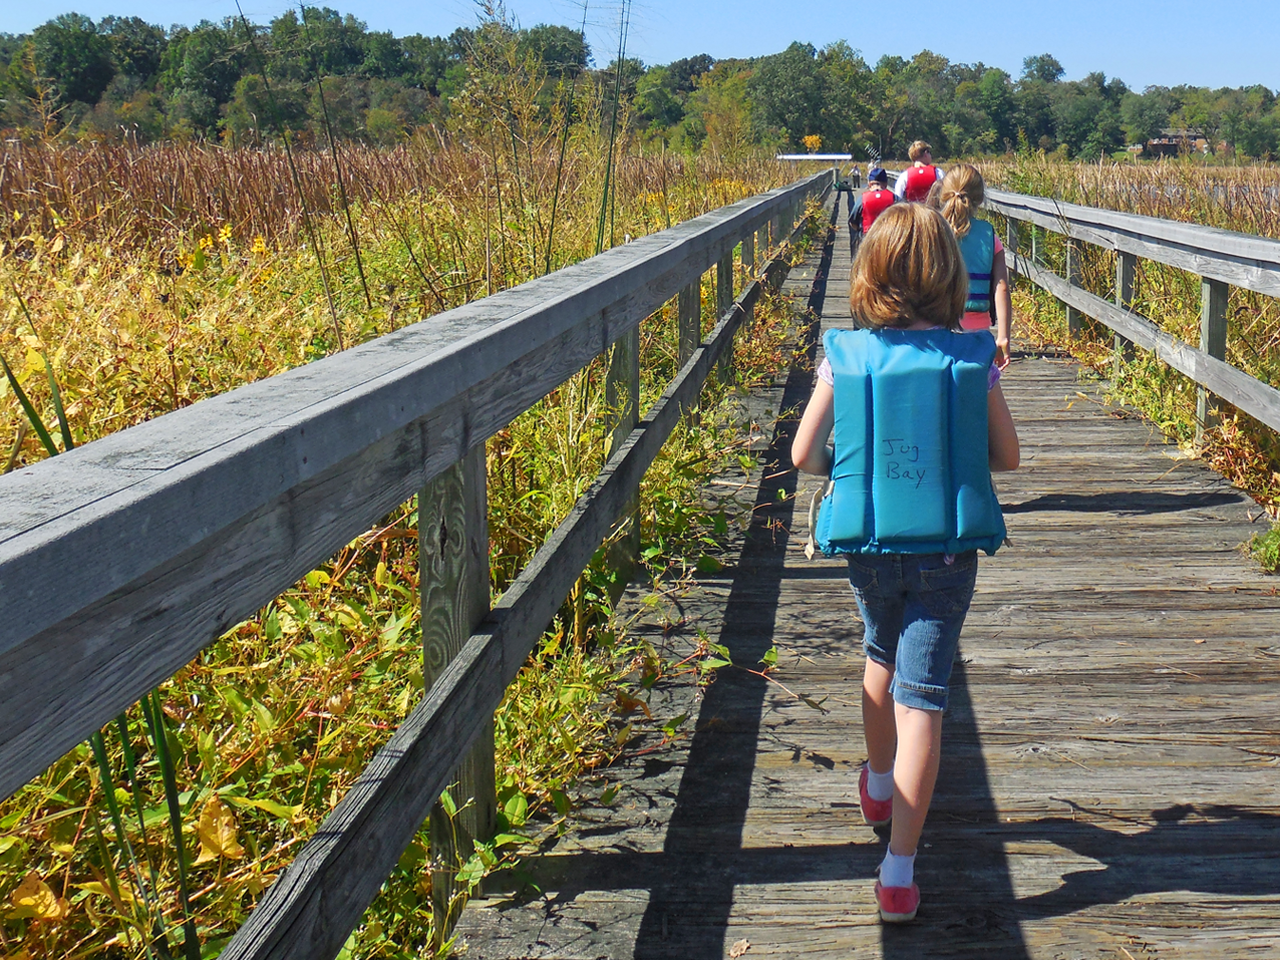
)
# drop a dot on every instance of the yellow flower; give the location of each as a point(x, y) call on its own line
point(206, 242)
point(259, 245)
point(224, 235)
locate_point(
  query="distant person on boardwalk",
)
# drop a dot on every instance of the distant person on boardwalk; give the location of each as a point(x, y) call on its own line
point(870, 205)
point(914, 182)
point(919, 422)
point(989, 304)
point(855, 176)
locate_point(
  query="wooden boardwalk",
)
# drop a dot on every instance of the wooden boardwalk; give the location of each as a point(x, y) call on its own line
point(1110, 783)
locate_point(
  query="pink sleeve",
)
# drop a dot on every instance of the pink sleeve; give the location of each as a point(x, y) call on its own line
point(826, 376)
point(999, 245)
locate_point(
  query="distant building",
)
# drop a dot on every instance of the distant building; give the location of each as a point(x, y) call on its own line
point(1172, 142)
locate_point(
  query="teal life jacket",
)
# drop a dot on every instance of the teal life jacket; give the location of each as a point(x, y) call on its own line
point(979, 249)
point(910, 472)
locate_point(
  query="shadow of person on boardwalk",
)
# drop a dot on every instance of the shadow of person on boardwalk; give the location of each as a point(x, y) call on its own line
point(1225, 851)
point(1125, 502)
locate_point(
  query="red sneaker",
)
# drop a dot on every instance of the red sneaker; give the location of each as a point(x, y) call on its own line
point(897, 904)
point(875, 812)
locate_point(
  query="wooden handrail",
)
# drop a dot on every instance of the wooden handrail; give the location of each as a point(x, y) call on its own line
point(179, 528)
point(1240, 259)
point(1219, 257)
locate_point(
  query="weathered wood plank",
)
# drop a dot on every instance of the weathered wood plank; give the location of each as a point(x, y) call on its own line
point(1126, 271)
point(1213, 341)
point(453, 551)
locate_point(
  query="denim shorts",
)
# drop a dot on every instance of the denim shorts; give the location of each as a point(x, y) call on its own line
point(913, 606)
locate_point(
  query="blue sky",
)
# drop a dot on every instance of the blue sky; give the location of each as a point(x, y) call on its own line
point(1230, 43)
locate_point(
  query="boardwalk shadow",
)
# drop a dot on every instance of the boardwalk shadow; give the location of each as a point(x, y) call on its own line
point(1224, 852)
point(1133, 503)
point(690, 903)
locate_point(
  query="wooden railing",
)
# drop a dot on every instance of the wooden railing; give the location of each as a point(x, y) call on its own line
point(1219, 257)
point(121, 560)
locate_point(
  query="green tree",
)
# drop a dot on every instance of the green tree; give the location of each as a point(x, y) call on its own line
point(561, 50)
point(994, 96)
point(136, 46)
point(656, 106)
point(384, 57)
point(1044, 68)
point(786, 93)
point(1144, 115)
point(846, 80)
point(71, 52)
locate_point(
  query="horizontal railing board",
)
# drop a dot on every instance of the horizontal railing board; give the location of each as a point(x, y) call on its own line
point(1231, 384)
point(99, 659)
point(311, 910)
point(1240, 259)
point(161, 488)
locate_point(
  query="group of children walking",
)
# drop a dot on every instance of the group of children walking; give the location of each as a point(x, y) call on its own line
point(912, 402)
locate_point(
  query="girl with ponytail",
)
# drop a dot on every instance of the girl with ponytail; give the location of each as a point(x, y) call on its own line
point(958, 197)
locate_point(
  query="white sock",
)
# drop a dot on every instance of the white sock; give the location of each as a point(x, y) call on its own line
point(880, 785)
point(896, 871)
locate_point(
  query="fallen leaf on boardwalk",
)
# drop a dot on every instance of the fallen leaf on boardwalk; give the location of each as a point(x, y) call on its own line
point(739, 948)
point(628, 704)
point(217, 833)
point(35, 900)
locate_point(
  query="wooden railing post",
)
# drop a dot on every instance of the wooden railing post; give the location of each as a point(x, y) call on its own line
point(749, 253)
point(724, 300)
point(1126, 265)
point(1213, 341)
point(689, 308)
point(622, 397)
point(1011, 237)
point(1075, 318)
point(690, 319)
point(453, 543)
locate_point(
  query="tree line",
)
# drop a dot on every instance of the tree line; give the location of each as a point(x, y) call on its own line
point(318, 72)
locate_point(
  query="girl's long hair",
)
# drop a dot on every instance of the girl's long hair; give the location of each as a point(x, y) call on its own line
point(961, 193)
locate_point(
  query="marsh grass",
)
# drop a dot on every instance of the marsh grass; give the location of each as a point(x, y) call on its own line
point(1243, 199)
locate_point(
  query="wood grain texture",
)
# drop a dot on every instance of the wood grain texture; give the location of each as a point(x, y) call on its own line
point(1126, 274)
point(1075, 321)
point(453, 551)
point(1235, 386)
point(197, 519)
point(1108, 784)
point(1240, 259)
point(1213, 341)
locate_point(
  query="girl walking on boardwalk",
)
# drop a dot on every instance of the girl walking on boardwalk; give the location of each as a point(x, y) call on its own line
point(919, 423)
point(961, 193)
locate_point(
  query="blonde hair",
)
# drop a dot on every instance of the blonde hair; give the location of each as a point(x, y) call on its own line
point(918, 149)
point(909, 269)
point(962, 192)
